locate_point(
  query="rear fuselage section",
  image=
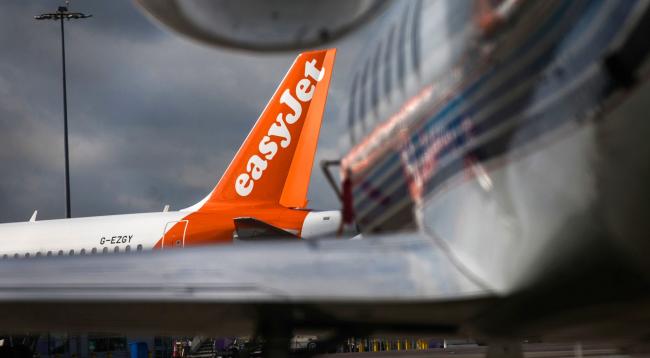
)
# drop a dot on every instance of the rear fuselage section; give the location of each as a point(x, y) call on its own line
point(136, 232)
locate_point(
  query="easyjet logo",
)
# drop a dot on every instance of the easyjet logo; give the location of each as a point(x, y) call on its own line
point(278, 132)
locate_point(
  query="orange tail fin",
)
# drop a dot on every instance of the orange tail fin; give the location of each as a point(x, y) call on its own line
point(274, 163)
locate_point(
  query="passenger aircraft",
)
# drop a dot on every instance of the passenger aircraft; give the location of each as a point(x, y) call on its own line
point(261, 195)
point(510, 136)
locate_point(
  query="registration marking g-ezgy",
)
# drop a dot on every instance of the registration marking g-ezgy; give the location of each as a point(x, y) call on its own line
point(115, 240)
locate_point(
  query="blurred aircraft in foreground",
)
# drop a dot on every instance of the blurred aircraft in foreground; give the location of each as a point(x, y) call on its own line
point(509, 136)
point(266, 25)
point(262, 194)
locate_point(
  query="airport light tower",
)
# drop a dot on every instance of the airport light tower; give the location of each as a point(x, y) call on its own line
point(61, 14)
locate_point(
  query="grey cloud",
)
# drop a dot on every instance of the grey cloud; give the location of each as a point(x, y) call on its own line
point(154, 118)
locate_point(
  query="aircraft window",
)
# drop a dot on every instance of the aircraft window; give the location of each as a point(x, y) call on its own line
point(128, 248)
point(388, 74)
point(105, 250)
point(82, 252)
point(139, 247)
point(375, 79)
point(49, 253)
point(352, 108)
point(27, 255)
point(117, 249)
point(38, 254)
point(401, 50)
point(5, 256)
point(93, 251)
point(71, 252)
point(16, 256)
point(415, 35)
point(60, 253)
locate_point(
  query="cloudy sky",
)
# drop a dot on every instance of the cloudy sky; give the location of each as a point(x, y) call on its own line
point(154, 118)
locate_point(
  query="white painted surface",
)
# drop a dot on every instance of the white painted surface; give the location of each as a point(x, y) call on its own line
point(321, 223)
point(84, 233)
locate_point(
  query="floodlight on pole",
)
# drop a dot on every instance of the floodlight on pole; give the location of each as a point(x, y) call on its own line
point(61, 14)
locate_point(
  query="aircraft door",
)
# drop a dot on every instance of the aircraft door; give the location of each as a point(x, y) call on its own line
point(174, 234)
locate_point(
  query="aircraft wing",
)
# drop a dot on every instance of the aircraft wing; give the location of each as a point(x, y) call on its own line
point(384, 282)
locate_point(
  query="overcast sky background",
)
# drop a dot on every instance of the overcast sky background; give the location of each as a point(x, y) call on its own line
point(154, 118)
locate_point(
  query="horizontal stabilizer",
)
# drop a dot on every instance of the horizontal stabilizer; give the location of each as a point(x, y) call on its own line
point(254, 229)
